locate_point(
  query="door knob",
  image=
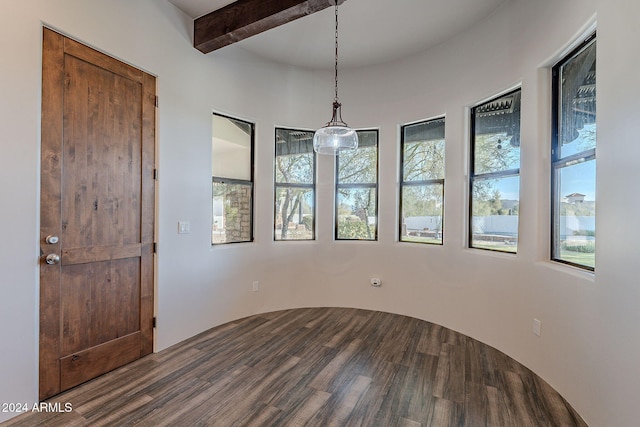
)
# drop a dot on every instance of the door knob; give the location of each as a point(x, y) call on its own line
point(52, 240)
point(52, 259)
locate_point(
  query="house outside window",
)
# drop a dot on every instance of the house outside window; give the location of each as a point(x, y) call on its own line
point(422, 182)
point(232, 180)
point(357, 190)
point(295, 185)
point(495, 174)
point(573, 158)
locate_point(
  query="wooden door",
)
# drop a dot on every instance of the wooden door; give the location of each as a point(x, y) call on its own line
point(97, 199)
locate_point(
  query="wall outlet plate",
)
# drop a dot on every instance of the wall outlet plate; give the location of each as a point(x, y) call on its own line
point(184, 227)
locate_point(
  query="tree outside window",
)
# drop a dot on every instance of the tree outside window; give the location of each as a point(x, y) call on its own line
point(357, 190)
point(495, 174)
point(295, 163)
point(422, 182)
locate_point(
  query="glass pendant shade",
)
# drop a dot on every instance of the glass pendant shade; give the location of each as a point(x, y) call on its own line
point(333, 139)
point(335, 136)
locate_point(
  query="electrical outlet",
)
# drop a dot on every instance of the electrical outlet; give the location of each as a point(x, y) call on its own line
point(256, 286)
point(536, 326)
point(184, 227)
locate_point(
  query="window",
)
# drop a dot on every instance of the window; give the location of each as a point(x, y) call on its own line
point(573, 156)
point(422, 182)
point(295, 185)
point(495, 174)
point(232, 171)
point(357, 190)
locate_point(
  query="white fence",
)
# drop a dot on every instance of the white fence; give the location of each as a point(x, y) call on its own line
point(504, 224)
point(423, 223)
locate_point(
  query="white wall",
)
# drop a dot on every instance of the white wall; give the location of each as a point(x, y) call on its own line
point(192, 294)
point(588, 349)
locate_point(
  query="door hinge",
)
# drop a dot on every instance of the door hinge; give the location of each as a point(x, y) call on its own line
point(155, 248)
point(155, 174)
point(153, 322)
point(156, 101)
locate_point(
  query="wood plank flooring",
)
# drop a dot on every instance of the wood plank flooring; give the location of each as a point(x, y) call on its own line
point(317, 367)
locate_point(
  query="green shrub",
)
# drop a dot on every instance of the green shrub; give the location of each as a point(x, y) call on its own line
point(591, 233)
point(353, 228)
point(585, 248)
point(307, 220)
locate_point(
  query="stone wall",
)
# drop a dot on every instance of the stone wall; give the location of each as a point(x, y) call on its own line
point(237, 209)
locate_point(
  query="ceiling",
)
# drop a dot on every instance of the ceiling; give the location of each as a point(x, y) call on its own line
point(370, 31)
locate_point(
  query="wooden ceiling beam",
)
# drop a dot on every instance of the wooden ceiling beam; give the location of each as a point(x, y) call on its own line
point(245, 18)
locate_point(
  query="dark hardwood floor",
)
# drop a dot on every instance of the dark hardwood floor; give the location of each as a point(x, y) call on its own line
point(317, 367)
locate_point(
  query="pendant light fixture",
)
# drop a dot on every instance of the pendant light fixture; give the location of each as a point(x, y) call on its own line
point(336, 135)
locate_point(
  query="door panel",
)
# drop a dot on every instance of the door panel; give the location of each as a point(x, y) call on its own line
point(97, 196)
point(102, 163)
point(88, 364)
point(100, 302)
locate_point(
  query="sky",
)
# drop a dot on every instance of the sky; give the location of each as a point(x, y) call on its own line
point(578, 178)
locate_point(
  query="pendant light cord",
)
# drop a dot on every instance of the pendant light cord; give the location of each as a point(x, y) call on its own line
point(336, 68)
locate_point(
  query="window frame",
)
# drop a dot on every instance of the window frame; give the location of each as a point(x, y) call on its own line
point(311, 186)
point(375, 186)
point(250, 183)
point(473, 177)
point(418, 183)
point(557, 162)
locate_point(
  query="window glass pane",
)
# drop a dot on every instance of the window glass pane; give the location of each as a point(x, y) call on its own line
point(231, 148)
point(232, 205)
point(423, 160)
point(422, 207)
point(294, 156)
point(357, 216)
point(577, 106)
point(294, 213)
point(356, 190)
point(497, 134)
point(295, 168)
point(294, 185)
point(423, 155)
point(585, 140)
point(574, 178)
point(494, 153)
point(495, 207)
point(360, 165)
point(422, 182)
point(576, 214)
point(232, 177)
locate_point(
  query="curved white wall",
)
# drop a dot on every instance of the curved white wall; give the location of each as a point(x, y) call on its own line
point(588, 349)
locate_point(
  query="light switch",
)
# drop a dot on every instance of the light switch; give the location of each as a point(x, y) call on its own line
point(537, 325)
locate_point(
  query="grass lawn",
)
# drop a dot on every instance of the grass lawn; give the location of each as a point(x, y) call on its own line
point(588, 259)
point(495, 246)
point(581, 258)
point(416, 239)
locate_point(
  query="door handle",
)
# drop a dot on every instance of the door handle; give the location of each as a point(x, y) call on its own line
point(52, 259)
